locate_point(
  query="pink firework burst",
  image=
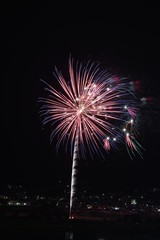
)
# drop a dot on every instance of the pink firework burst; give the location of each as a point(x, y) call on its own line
point(92, 107)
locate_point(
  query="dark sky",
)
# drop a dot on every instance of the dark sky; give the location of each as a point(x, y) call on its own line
point(34, 41)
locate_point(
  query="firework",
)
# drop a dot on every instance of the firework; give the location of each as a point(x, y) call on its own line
point(92, 107)
point(92, 111)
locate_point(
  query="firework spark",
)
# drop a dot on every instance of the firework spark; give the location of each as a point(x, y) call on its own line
point(93, 107)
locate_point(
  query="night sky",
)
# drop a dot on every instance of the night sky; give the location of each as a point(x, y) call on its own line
point(34, 42)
